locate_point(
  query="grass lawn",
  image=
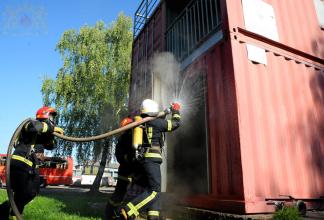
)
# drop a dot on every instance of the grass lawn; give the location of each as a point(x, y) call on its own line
point(62, 204)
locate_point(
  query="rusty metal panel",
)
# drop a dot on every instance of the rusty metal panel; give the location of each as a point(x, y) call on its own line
point(296, 20)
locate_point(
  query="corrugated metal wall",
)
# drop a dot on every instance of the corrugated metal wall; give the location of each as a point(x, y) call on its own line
point(296, 20)
point(281, 126)
point(225, 169)
point(265, 122)
point(226, 180)
point(280, 107)
point(223, 136)
point(298, 25)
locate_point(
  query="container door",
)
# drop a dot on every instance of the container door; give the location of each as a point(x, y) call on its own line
point(187, 147)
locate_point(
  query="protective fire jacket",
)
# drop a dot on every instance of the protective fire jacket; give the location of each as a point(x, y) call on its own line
point(153, 139)
point(124, 151)
point(34, 132)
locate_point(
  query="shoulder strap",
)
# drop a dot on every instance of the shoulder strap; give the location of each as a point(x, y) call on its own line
point(145, 135)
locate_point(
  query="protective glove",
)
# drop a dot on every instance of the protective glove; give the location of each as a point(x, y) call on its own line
point(167, 111)
point(59, 130)
point(175, 107)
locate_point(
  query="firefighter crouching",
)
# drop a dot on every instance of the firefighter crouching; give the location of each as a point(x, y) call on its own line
point(148, 145)
point(127, 166)
point(24, 175)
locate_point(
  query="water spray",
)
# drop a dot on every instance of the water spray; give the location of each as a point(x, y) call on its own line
point(185, 87)
point(171, 83)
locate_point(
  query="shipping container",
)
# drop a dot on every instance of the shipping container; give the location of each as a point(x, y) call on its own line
point(251, 76)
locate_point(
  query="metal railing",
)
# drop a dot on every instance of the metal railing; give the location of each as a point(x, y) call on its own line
point(142, 14)
point(197, 21)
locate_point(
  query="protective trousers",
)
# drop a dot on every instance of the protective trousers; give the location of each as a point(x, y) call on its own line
point(124, 178)
point(25, 186)
point(150, 199)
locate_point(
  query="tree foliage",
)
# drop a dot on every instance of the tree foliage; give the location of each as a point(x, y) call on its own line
point(90, 91)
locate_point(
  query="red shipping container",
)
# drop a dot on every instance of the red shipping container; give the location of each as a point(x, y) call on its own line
point(260, 126)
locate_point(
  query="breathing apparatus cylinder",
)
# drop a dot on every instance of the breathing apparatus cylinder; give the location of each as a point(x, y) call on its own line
point(137, 134)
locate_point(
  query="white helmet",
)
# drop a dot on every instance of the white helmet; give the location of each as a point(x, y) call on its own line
point(149, 107)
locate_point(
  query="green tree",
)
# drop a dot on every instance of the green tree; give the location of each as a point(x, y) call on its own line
point(90, 91)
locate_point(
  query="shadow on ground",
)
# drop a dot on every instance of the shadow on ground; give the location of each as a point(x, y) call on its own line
point(79, 200)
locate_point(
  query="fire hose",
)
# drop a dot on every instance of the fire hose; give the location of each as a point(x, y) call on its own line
point(16, 135)
point(110, 133)
point(12, 144)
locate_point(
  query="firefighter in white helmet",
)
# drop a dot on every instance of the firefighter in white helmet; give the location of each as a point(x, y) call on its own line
point(150, 158)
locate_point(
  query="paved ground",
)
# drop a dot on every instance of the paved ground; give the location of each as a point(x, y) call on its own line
point(314, 215)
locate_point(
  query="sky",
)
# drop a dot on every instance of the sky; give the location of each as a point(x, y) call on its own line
point(29, 32)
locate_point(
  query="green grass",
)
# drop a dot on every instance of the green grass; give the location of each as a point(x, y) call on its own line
point(52, 205)
point(287, 213)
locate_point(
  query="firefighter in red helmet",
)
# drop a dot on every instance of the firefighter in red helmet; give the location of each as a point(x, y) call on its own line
point(125, 157)
point(149, 156)
point(24, 173)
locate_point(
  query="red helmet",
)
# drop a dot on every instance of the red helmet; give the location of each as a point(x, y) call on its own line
point(126, 121)
point(44, 112)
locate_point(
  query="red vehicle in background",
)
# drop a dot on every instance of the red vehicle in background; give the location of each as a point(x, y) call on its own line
point(3, 169)
point(56, 171)
point(52, 170)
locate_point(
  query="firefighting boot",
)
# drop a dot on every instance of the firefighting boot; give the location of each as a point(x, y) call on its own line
point(111, 211)
point(123, 215)
point(153, 215)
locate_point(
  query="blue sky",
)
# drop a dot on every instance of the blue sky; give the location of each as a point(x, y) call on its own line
point(29, 31)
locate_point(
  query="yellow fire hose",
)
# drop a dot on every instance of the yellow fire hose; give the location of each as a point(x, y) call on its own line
point(16, 135)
